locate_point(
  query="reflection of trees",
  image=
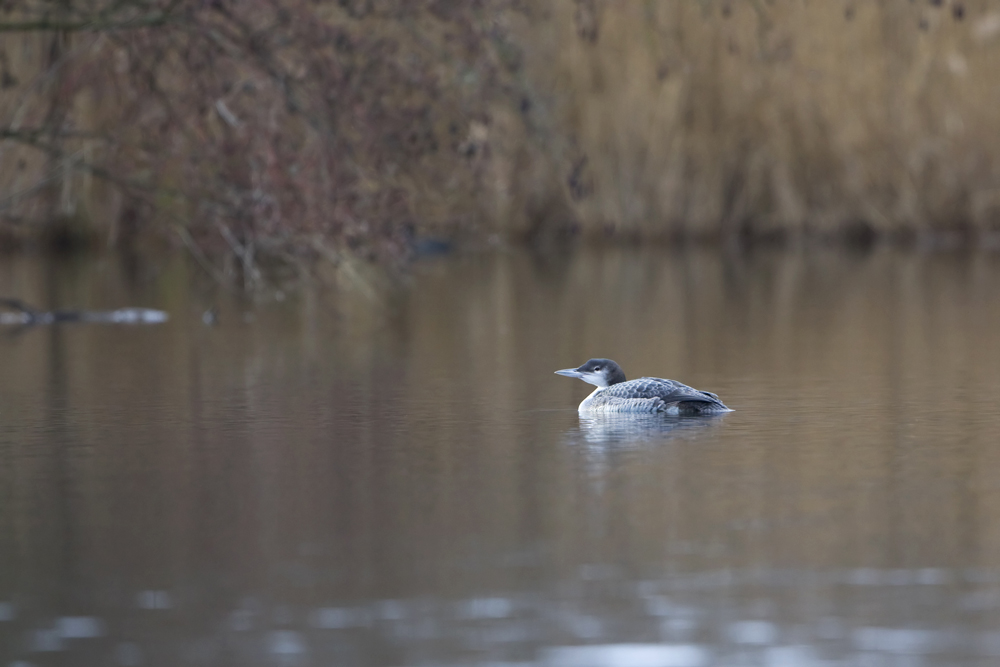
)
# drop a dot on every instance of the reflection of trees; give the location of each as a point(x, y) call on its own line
point(257, 123)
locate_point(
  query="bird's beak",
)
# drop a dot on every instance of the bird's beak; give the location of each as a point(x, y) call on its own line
point(570, 373)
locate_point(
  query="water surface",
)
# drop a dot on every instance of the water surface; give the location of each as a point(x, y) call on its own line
point(384, 470)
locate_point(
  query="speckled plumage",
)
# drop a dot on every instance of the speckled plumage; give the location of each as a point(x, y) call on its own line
point(653, 395)
point(646, 395)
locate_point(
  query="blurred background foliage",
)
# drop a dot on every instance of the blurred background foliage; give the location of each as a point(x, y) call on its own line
point(303, 128)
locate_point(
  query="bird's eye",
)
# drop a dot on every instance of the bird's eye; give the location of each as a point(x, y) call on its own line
point(597, 368)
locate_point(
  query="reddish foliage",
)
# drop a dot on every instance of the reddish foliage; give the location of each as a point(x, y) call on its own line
point(266, 122)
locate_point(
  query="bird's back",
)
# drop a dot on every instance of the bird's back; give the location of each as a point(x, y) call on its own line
point(649, 394)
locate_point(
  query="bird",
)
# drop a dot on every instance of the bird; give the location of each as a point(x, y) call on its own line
point(646, 395)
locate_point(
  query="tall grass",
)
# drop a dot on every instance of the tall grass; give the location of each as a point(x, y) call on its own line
point(271, 123)
point(720, 117)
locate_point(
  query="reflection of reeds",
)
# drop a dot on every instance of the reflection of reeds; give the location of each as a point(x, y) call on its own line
point(404, 440)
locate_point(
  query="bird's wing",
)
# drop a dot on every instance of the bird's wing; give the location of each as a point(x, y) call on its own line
point(673, 391)
point(642, 395)
point(643, 388)
point(608, 402)
point(654, 395)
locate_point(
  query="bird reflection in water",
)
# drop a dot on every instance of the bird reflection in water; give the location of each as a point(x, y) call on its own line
point(636, 430)
point(606, 441)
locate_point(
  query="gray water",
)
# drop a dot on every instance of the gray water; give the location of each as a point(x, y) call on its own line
point(381, 469)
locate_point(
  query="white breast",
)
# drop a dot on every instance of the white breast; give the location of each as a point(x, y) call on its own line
point(585, 406)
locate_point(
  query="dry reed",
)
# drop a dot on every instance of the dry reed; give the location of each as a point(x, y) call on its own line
point(723, 117)
point(272, 123)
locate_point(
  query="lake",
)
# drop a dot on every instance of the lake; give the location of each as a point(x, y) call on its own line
point(381, 469)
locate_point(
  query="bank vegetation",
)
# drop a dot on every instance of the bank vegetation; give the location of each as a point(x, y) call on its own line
point(319, 128)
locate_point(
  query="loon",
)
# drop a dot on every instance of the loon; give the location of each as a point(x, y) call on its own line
point(616, 394)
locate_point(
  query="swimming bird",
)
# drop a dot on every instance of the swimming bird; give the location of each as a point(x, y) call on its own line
point(616, 394)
